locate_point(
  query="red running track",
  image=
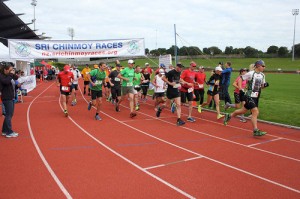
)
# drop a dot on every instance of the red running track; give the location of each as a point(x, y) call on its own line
point(144, 157)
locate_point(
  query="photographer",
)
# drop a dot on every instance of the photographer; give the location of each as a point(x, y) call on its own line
point(7, 89)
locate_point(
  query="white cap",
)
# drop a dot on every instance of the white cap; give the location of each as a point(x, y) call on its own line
point(218, 68)
point(162, 71)
point(146, 64)
point(130, 61)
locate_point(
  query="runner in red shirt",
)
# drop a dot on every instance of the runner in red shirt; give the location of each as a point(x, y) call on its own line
point(199, 86)
point(188, 76)
point(64, 81)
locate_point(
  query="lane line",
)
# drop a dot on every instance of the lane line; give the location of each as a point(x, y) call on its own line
point(195, 153)
point(52, 173)
point(175, 162)
point(129, 161)
point(251, 145)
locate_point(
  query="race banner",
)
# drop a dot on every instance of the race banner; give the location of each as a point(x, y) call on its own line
point(28, 83)
point(44, 49)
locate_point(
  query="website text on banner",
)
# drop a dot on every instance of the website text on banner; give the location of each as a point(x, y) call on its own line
point(21, 48)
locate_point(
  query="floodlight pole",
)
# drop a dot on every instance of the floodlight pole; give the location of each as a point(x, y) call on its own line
point(33, 3)
point(295, 12)
point(175, 48)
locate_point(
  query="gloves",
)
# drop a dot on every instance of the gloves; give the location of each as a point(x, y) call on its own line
point(266, 84)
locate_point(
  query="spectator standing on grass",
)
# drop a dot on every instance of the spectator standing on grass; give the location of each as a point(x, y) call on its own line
point(213, 91)
point(256, 81)
point(7, 89)
point(237, 98)
point(64, 81)
point(97, 78)
point(86, 82)
point(127, 75)
point(226, 74)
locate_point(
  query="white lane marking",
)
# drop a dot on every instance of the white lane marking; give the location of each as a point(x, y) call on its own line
point(129, 161)
point(175, 162)
point(268, 141)
point(52, 173)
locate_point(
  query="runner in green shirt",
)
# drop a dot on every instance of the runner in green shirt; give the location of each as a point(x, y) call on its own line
point(138, 78)
point(97, 79)
point(127, 75)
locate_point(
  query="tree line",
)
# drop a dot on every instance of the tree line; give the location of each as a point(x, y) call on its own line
point(249, 51)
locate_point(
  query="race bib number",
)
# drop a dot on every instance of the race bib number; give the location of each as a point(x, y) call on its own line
point(254, 94)
point(117, 79)
point(97, 82)
point(200, 85)
point(129, 84)
point(217, 83)
point(65, 88)
point(177, 86)
point(190, 90)
point(86, 72)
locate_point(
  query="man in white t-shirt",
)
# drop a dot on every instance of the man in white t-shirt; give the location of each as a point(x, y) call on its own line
point(74, 86)
point(256, 81)
point(159, 91)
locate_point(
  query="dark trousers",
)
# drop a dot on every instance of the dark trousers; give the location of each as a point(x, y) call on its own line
point(9, 106)
point(226, 94)
point(199, 93)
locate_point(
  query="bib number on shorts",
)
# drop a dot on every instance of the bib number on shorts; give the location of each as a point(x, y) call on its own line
point(190, 90)
point(97, 82)
point(200, 85)
point(65, 88)
point(254, 94)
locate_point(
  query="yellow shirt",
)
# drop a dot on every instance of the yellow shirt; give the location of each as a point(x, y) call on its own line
point(84, 73)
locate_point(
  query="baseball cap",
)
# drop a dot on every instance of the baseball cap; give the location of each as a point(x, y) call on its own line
point(201, 67)
point(218, 68)
point(179, 65)
point(162, 71)
point(162, 65)
point(67, 68)
point(193, 64)
point(130, 61)
point(146, 64)
point(259, 62)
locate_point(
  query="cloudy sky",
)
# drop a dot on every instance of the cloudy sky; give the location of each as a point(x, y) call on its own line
point(202, 23)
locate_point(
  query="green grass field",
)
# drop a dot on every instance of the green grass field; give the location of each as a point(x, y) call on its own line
point(278, 103)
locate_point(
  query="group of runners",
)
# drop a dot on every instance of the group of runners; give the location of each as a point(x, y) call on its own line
point(170, 86)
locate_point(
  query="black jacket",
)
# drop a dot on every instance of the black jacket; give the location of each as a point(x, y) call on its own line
point(6, 86)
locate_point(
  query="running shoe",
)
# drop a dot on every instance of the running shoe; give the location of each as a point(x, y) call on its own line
point(227, 105)
point(226, 118)
point(12, 135)
point(4, 134)
point(137, 108)
point(219, 116)
point(199, 108)
point(158, 112)
point(173, 107)
point(258, 132)
point(97, 117)
point(89, 106)
point(117, 107)
point(190, 119)
point(180, 122)
point(243, 120)
point(132, 115)
point(66, 113)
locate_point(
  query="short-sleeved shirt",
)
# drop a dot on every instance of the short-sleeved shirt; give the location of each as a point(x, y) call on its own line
point(255, 82)
point(137, 80)
point(189, 77)
point(214, 83)
point(64, 80)
point(173, 76)
point(100, 77)
point(200, 79)
point(114, 78)
point(85, 73)
point(129, 74)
